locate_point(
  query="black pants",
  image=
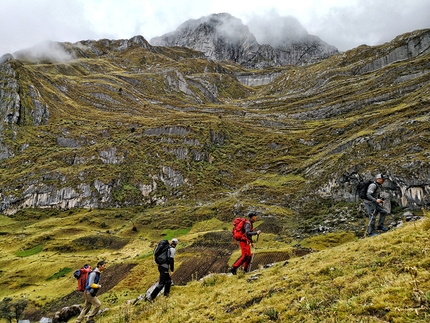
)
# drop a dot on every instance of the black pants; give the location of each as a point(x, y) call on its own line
point(164, 281)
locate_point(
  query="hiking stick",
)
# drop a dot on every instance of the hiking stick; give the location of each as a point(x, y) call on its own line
point(252, 260)
point(370, 221)
point(252, 256)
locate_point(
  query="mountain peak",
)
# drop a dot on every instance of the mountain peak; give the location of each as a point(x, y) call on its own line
point(276, 41)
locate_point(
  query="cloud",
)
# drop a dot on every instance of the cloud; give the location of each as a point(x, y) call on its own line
point(370, 22)
point(53, 52)
point(273, 30)
point(25, 23)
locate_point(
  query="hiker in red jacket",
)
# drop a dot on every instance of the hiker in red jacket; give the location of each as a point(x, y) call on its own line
point(245, 244)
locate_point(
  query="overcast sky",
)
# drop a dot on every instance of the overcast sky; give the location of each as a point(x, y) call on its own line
point(343, 23)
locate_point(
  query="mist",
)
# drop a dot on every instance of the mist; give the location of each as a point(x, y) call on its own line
point(274, 30)
point(46, 51)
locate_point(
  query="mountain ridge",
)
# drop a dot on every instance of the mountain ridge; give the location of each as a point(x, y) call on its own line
point(195, 111)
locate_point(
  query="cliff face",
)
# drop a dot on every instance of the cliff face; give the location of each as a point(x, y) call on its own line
point(224, 37)
point(117, 123)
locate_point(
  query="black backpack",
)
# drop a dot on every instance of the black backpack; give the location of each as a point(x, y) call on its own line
point(361, 190)
point(161, 251)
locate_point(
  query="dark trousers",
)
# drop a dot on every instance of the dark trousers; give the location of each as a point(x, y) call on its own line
point(245, 259)
point(372, 211)
point(164, 281)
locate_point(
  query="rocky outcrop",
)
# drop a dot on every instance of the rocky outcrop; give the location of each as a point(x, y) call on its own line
point(95, 195)
point(406, 192)
point(12, 112)
point(10, 103)
point(66, 313)
point(412, 45)
point(252, 79)
point(224, 37)
point(9, 95)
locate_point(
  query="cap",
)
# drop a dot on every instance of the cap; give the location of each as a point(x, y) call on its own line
point(381, 176)
point(175, 241)
point(251, 214)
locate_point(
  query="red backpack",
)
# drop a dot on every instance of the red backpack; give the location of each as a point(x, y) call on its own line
point(239, 229)
point(82, 276)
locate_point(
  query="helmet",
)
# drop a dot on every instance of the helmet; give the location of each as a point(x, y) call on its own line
point(175, 241)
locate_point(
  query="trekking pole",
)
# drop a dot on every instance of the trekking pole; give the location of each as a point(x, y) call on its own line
point(252, 256)
point(370, 221)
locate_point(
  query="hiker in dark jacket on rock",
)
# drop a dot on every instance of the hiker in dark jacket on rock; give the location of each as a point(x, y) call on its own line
point(245, 245)
point(92, 287)
point(374, 205)
point(165, 276)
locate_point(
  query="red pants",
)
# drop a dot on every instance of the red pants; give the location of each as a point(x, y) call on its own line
point(245, 259)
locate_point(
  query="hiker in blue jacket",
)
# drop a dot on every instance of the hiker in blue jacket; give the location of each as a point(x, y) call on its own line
point(374, 205)
point(166, 270)
point(92, 287)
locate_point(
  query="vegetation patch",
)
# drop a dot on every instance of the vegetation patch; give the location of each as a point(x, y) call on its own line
point(170, 234)
point(208, 225)
point(100, 241)
point(61, 273)
point(30, 252)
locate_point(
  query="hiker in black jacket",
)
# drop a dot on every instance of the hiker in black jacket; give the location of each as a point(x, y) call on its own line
point(374, 205)
point(165, 276)
point(245, 245)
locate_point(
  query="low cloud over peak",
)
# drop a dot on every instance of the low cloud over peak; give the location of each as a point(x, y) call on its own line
point(274, 30)
point(53, 52)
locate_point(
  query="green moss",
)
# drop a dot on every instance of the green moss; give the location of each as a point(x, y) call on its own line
point(170, 234)
point(30, 252)
point(61, 273)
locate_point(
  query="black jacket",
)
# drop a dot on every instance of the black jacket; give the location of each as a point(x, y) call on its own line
point(249, 230)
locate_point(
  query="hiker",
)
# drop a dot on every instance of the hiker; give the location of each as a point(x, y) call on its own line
point(82, 276)
point(92, 287)
point(166, 270)
point(374, 205)
point(245, 244)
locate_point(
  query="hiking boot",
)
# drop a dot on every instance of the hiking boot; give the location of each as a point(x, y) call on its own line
point(381, 228)
point(149, 299)
point(233, 270)
point(373, 234)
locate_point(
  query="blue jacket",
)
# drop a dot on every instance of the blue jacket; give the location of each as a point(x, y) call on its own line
point(93, 281)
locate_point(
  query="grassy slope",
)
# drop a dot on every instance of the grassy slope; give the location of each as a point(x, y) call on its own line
point(385, 278)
